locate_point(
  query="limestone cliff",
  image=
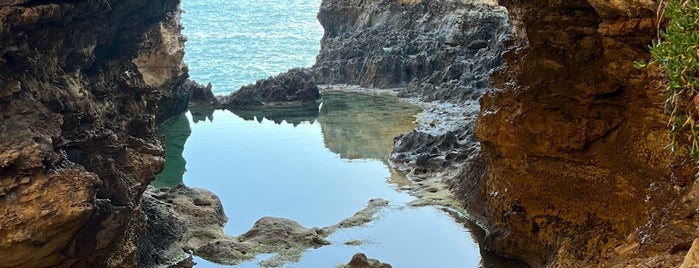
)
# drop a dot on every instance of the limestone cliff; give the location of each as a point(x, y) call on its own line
point(77, 133)
point(573, 139)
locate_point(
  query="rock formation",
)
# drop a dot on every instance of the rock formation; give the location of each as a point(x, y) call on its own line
point(573, 137)
point(199, 94)
point(572, 170)
point(360, 260)
point(440, 50)
point(184, 220)
point(161, 63)
point(294, 87)
point(78, 139)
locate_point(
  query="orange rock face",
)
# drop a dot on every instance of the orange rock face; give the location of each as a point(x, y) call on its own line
point(573, 136)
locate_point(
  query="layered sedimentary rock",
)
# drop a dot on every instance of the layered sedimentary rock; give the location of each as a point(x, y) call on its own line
point(573, 137)
point(442, 50)
point(77, 133)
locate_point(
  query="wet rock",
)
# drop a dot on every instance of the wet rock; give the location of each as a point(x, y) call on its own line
point(164, 230)
point(429, 153)
point(282, 232)
point(180, 219)
point(78, 141)
point(294, 87)
point(360, 260)
point(184, 220)
point(361, 217)
point(440, 50)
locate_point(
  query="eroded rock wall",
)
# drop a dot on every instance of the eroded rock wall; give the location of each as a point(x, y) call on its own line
point(572, 135)
point(440, 50)
point(77, 133)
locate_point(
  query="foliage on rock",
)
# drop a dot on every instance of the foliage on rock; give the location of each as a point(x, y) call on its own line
point(677, 54)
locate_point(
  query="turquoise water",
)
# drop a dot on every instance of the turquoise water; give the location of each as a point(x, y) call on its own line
point(315, 166)
point(318, 167)
point(232, 43)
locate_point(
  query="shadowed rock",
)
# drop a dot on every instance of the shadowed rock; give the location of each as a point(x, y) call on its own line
point(78, 142)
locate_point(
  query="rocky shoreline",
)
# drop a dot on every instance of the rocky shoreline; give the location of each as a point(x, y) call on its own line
point(541, 129)
point(184, 221)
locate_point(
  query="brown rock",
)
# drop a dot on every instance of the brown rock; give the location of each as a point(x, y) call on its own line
point(360, 260)
point(78, 141)
point(573, 137)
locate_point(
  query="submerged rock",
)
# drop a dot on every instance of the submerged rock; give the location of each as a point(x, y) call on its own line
point(360, 260)
point(294, 87)
point(184, 220)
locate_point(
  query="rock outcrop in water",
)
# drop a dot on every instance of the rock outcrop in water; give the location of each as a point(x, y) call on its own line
point(294, 87)
point(360, 260)
point(184, 220)
point(78, 139)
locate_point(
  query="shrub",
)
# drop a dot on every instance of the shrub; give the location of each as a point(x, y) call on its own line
point(677, 55)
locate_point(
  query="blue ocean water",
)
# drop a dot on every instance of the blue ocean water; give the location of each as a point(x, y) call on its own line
point(316, 169)
point(232, 43)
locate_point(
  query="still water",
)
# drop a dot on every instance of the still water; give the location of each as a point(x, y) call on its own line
point(316, 166)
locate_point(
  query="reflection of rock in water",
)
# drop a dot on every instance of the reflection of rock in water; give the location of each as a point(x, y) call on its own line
point(292, 115)
point(356, 125)
point(202, 114)
point(175, 132)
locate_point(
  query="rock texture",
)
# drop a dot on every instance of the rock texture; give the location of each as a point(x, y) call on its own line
point(443, 49)
point(161, 63)
point(184, 220)
point(77, 128)
point(573, 158)
point(294, 87)
point(200, 94)
point(360, 260)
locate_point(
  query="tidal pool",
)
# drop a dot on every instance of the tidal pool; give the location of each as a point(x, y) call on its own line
point(317, 166)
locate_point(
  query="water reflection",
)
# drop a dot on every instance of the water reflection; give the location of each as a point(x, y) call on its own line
point(361, 126)
point(291, 115)
point(317, 165)
point(202, 114)
point(175, 133)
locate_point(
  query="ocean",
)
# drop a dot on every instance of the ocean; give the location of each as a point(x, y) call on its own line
point(232, 43)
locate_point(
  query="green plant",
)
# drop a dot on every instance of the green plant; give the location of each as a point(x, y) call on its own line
point(677, 54)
